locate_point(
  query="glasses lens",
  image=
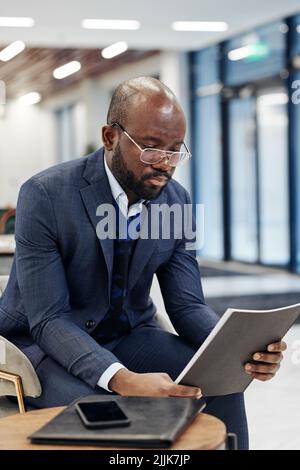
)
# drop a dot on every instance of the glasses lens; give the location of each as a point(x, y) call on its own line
point(153, 156)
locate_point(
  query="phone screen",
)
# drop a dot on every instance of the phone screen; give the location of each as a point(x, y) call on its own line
point(105, 412)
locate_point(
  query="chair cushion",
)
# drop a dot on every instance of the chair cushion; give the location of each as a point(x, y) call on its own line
point(12, 360)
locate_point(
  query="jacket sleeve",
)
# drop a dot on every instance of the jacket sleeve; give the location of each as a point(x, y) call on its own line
point(44, 290)
point(181, 288)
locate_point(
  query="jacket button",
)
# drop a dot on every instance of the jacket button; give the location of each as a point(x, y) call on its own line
point(90, 323)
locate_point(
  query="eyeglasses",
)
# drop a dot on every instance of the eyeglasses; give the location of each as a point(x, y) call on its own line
point(151, 156)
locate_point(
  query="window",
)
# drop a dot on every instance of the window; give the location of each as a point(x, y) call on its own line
point(272, 122)
point(207, 156)
point(243, 195)
point(71, 131)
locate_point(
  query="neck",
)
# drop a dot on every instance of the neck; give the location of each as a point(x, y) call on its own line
point(132, 197)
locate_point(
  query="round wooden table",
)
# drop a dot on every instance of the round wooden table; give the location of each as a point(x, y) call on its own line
point(205, 433)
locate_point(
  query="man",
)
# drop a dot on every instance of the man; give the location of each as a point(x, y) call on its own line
point(77, 304)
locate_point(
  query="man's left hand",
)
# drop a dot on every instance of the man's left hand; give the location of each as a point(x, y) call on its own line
point(266, 364)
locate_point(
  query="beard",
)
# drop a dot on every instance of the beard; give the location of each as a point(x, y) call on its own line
point(130, 182)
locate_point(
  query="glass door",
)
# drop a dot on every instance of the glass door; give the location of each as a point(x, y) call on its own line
point(272, 132)
point(259, 182)
point(243, 179)
point(208, 173)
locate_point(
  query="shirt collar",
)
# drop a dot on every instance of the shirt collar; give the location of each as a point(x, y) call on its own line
point(114, 184)
point(120, 196)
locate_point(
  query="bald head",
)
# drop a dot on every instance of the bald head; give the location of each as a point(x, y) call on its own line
point(137, 93)
point(149, 117)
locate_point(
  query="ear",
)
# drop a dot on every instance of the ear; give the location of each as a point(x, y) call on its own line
point(109, 137)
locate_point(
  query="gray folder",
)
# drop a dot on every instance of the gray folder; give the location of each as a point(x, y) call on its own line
point(218, 365)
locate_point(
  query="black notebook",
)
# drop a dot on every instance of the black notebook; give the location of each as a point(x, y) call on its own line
point(154, 422)
point(218, 365)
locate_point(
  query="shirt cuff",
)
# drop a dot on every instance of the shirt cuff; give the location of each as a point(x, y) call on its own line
point(108, 374)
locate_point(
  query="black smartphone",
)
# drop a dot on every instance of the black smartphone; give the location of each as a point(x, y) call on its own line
point(101, 414)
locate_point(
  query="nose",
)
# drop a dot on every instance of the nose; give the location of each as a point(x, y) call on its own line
point(163, 165)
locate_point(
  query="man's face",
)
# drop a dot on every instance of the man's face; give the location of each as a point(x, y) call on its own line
point(151, 124)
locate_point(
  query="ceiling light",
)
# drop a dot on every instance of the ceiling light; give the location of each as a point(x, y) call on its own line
point(114, 49)
point(213, 26)
point(30, 98)
point(110, 24)
point(298, 28)
point(12, 50)
point(67, 69)
point(16, 22)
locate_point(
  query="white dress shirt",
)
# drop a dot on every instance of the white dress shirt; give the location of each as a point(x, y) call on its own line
point(122, 200)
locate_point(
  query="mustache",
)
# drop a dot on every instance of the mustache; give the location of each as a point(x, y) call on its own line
point(157, 173)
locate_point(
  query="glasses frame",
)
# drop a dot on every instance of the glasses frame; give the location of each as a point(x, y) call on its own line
point(166, 153)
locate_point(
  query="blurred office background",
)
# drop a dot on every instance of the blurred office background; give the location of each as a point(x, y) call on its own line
point(236, 72)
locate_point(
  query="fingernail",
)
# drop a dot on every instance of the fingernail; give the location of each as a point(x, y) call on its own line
point(248, 368)
point(271, 348)
point(257, 356)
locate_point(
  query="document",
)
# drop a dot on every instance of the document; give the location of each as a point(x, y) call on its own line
point(218, 365)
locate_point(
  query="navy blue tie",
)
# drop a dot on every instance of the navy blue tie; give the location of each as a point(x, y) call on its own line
point(115, 323)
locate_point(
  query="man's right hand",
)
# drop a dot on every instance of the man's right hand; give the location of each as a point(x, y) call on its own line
point(128, 383)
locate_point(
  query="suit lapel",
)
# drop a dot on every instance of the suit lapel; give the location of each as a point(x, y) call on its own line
point(96, 193)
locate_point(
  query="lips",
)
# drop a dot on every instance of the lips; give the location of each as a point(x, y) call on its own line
point(158, 180)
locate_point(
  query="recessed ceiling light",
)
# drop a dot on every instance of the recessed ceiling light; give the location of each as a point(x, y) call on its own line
point(114, 49)
point(30, 98)
point(110, 24)
point(12, 50)
point(67, 69)
point(213, 26)
point(16, 22)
